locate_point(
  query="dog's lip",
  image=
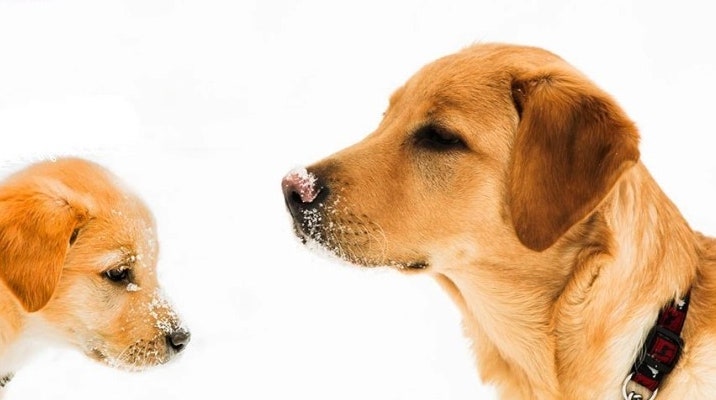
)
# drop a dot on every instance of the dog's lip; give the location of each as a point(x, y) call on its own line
point(418, 265)
point(96, 354)
point(410, 266)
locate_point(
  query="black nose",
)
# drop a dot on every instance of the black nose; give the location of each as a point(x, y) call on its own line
point(178, 339)
point(302, 191)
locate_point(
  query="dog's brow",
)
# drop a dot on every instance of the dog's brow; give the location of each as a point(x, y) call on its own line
point(112, 258)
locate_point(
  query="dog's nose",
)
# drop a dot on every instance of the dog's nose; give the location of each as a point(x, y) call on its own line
point(301, 190)
point(300, 186)
point(178, 339)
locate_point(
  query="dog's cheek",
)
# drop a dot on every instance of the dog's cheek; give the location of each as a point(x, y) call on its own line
point(81, 310)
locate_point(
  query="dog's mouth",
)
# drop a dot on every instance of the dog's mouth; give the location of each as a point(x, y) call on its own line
point(349, 238)
point(138, 356)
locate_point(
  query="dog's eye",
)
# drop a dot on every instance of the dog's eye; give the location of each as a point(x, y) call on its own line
point(73, 237)
point(119, 274)
point(436, 138)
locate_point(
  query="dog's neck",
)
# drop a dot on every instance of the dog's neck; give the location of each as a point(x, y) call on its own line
point(649, 259)
point(542, 339)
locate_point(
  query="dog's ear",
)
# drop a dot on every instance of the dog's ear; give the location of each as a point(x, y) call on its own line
point(36, 228)
point(572, 144)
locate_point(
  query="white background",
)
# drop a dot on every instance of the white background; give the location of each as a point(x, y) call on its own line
point(202, 106)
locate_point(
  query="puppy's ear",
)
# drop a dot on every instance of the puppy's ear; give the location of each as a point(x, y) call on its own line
point(36, 228)
point(573, 142)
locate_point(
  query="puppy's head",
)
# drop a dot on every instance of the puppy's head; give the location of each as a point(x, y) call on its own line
point(79, 253)
point(492, 149)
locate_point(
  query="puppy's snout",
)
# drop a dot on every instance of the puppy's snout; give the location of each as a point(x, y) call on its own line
point(301, 190)
point(178, 339)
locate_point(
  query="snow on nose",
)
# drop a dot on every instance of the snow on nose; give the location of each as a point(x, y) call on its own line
point(300, 184)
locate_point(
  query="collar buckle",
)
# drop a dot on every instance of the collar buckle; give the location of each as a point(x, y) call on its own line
point(662, 350)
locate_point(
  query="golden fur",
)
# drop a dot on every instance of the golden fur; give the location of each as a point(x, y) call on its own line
point(63, 225)
point(516, 182)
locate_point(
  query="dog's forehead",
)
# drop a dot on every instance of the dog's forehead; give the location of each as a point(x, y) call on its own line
point(132, 224)
point(468, 85)
point(121, 221)
point(116, 234)
point(448, 81)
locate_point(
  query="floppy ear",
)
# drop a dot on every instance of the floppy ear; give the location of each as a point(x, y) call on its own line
point(35, 233)
point(573, 142)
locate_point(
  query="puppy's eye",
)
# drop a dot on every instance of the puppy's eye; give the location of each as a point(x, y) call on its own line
point(119, 274)
point(433, 137)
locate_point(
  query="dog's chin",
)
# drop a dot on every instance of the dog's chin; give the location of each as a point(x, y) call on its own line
point(125, 361)
point(336, 253)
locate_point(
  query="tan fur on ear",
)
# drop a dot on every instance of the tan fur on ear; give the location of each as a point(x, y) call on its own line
point(35, 230)
point(573, 142)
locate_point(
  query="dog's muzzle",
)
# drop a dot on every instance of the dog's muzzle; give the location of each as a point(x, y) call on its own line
point(317, 220)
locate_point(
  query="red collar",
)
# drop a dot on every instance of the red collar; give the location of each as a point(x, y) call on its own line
point(661, 349)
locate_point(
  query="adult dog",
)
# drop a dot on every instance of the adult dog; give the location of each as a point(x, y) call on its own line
point(78, 254)
point(515, 181)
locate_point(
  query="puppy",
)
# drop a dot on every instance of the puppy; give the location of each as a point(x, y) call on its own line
point(515, 182)
point(78, 255)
